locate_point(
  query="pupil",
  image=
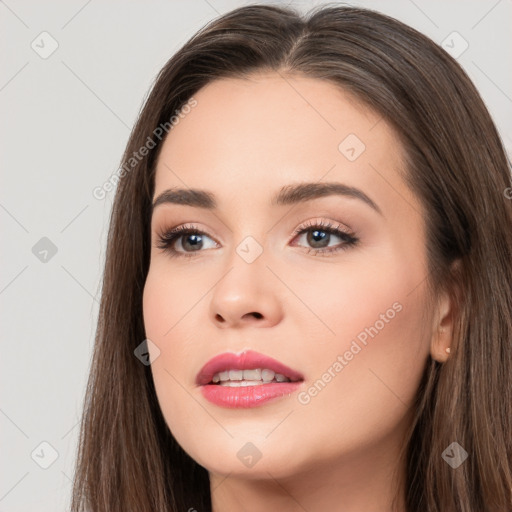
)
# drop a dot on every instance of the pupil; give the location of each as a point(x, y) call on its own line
point(196, 243)
point(318, 236)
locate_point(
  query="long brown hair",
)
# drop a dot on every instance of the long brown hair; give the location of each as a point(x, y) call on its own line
point(456, 164)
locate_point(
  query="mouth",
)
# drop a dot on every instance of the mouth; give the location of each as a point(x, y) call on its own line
point(248, 379)
point(248, 368)
point(242, 378)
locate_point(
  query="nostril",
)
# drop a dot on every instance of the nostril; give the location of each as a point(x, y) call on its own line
point(255, 314)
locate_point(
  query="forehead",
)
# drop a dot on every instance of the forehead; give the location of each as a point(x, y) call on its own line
point(250, 136)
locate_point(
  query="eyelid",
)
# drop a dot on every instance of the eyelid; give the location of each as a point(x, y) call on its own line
point(324, 224)
point(315, 222)
point(180, 230)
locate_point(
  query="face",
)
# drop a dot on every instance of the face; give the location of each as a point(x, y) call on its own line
point(333, 285)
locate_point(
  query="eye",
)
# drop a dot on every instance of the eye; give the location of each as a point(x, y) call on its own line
point(319, 235)
point(189, 239)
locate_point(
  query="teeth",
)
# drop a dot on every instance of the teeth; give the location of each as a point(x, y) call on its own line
point(251, 377)
point(267, 375)
point(252, 374)
point(236, 374)
point(240, 383)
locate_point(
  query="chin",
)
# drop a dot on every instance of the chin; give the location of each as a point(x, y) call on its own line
point(247, 456)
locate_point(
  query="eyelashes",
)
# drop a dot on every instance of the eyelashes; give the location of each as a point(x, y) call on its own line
point(166, 240)
point(320, 231)
point(313, 227)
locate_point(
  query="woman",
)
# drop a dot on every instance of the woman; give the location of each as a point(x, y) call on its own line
point(307, 294)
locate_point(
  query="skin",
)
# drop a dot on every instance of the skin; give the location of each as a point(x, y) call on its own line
point(243, 141)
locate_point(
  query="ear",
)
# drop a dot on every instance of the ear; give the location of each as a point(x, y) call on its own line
point(443, 323)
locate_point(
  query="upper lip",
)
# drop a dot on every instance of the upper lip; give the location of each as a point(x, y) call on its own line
point(246, 360)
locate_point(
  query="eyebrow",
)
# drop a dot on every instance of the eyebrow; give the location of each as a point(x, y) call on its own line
point(287, 195)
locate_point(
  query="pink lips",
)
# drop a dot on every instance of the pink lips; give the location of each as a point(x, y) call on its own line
point(247, 360)
point(250, 396)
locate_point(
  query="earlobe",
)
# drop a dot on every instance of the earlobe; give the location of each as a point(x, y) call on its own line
point(442, 336)
point(442, 344)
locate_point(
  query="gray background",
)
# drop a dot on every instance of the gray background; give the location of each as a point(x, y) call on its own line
point(64, 125)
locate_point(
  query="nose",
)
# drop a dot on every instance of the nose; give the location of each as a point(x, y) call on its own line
point(246, 296)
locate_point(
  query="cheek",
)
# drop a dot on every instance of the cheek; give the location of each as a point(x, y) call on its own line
point(363, 392)
point(169, 296)
point(169, 301)
point(158, 303)
point(166, 301)
point(363, 375)
point(376, 303)
point(364, 297)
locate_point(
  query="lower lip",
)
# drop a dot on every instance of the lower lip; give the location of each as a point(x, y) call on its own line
point(247, 396)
